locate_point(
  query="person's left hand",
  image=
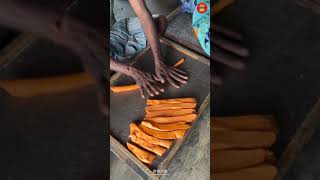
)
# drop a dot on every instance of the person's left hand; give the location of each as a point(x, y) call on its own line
point(171, 74)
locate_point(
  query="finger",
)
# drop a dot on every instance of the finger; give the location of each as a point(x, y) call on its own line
point(229, 33)
point(150, 78)
point(160, 77)
point(153, 89)
point(141, 91)
point(177, 78)
point(155, 77)
point(230, 46)
point(172, 82)
point(227, 59)
point(159, 88)
point(148, 89)
point(179, 70)
point(178, 74)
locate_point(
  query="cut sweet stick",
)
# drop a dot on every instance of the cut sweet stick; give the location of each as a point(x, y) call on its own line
point(148, 146)
point(228, 139)
point(230, 160)
point(166, 127)
point(159, 107)
point(142, 155)
point(173, 119)
point(151, 102)
point(181, 61)
point(177, 134)
point(134, 129)
point(261, 172)
point(118, 89)
point(29, 87)
point(245, 123)
point(170, 113)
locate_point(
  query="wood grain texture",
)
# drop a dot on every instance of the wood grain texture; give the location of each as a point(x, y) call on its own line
point(192, 160)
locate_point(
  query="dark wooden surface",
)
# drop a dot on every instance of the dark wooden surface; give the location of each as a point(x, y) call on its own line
point(120, 170)
point(129, 107)
point(192, 161)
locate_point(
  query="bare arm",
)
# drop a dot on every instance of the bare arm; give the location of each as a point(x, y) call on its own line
point(140, 8)
point(163, 72)
point(65, 30)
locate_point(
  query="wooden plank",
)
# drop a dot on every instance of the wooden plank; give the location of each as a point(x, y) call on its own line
point(193, 160)
point(299, 140)
point(120, 170)
point(126, 156)
point(165, 164)
point(123, 101)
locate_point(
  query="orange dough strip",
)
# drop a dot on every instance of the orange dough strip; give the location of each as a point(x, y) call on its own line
point(173, 119)
point(245, 123)
point(159, 107)
point(163, 135)
point(142, 155)
point(166, 127)
point(148, 146)
point(134, 129)
point(169, 113)
point(151, 102)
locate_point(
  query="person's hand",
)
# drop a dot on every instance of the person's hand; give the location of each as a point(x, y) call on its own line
point(90, 45)
point(171, 74)
point(228, 50)
point(146, 82)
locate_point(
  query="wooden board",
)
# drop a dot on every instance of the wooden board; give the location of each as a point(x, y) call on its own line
point(129, 106)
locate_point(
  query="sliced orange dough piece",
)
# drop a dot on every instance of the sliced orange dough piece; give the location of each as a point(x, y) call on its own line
point(181, 61)
point(30, 87)
point(169, 113)
point(134, 129)
point(228, 139)
point(261, 172)
point(148, 146)
point(173, 119)
point(230, 160)
point(151, 102)
point(118, 89)
point(142, 155)
point(177, 134)
point(166, 127)
point(245, 123)
point(159, 107)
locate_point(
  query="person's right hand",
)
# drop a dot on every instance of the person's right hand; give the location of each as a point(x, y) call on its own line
point(146, 82)
point(228, 50)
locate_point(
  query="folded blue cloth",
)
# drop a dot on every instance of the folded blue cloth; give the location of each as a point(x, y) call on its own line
point(126, 38)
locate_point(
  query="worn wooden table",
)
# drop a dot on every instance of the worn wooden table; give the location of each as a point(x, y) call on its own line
point(191, 158)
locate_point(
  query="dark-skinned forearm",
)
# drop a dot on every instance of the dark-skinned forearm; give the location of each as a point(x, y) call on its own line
point(149, 27)
point(29, 17)
point(120, 67)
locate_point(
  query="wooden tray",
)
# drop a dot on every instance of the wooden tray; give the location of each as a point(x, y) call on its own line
point(129, 107)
